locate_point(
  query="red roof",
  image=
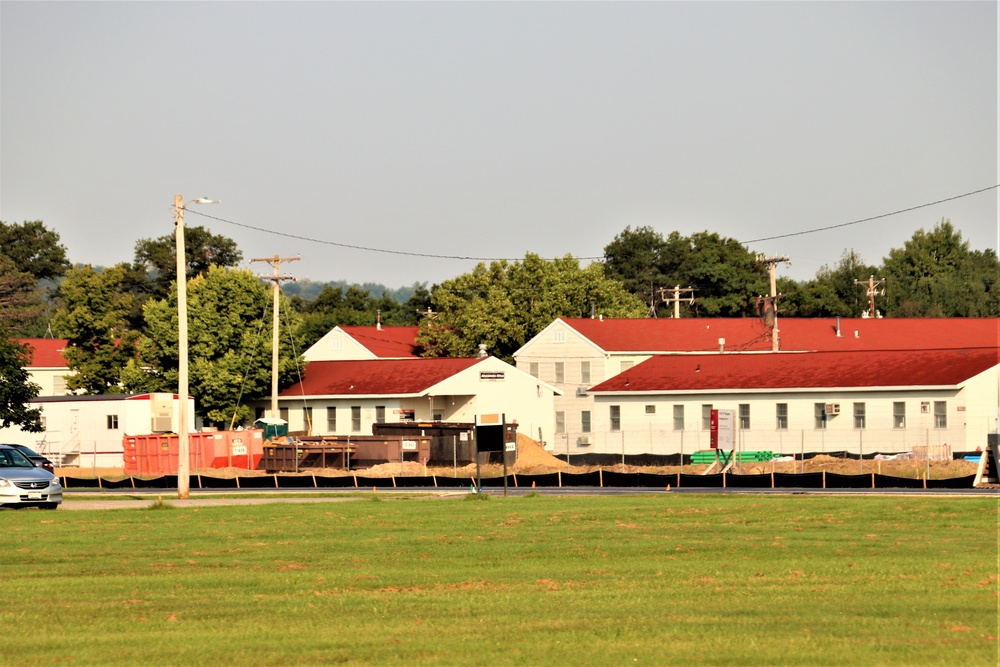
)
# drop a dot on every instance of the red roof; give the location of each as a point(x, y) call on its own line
point(387, 342)
point(796, 334)
point(46, 352)
point(896, 368)
point(369, 377)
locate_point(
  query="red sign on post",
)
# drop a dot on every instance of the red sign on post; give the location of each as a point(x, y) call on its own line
point(713, 422)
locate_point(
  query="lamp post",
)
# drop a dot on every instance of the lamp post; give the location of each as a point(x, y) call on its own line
point(183, 447)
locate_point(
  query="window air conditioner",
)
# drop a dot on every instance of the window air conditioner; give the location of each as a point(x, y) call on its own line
point(581, 391)
point(832, 408)
point(584, 440)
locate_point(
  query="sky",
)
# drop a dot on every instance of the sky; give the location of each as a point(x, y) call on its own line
point(487, 130)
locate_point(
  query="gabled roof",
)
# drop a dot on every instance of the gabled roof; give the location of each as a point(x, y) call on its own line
point(376, 377)
point(46, 352)
point(796, 334)
point(806, 370)
point(386, 342)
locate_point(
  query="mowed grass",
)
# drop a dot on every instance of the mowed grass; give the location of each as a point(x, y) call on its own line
point(628, 580)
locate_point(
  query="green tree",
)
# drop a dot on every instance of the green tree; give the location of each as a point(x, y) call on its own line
point(725, 275)
point(229, 338)
point(634, 258)
point(16, 389)
point(935, 274)
point(832, 293)
point(202, 249)
point(20, 299)
point(94, 318)
point(34, 249)
point(506, 303)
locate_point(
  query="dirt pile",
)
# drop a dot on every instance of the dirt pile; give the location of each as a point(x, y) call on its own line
point(532, 456)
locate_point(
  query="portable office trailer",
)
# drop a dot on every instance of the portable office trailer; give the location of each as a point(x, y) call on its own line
point(87, 431)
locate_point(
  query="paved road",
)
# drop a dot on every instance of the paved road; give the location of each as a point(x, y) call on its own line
point(128, 500)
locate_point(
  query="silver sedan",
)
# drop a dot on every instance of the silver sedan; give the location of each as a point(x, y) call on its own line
point(22, 484)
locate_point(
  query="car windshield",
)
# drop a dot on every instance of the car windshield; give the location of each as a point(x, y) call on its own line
point(11, 458)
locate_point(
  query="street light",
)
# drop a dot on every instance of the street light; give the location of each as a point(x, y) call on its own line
point(183, 447)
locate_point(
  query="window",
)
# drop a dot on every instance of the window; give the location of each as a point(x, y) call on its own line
point(59, 385)
point(331, 419)
point(307, 419)
point(940, 414)
point(585, 421)
point(585, 372)
point(625, 365)
point(380, 414)
point(356, 418)
point(112, 422)
point(706, 417)
point(819, 411)
point(781, 416)
point(558, 336)
point(283, 414)
point(533, 369)
point(899, 414)
point(437, 416)
point(650, 409)
point(560, 372)
point(678, 417)
point(560, 421)
point(859, 415)
point(745, 416)
point(616, 417)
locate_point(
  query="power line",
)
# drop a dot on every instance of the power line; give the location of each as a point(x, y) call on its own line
point(874, 217)
point(598, 258)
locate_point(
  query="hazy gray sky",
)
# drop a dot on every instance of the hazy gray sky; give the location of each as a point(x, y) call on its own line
point(492, 129)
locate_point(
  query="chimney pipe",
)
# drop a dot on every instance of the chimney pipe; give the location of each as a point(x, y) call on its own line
point(482, 354)
point(838, 326)
point(722, 345)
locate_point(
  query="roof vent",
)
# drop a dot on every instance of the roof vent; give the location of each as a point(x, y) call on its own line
point(482, 354)
point(722, 345)
point(838, 326)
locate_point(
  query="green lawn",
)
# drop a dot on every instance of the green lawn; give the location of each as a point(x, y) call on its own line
point(634, 580)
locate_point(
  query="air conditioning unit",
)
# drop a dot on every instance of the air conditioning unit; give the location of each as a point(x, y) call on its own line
point(584, 440)
point(581, 391)
point(832, 408)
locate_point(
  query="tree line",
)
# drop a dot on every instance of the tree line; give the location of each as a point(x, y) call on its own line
point(121, 321)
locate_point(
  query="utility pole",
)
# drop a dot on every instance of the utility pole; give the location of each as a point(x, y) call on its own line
point(276, 290)
point(772, 269)
point(872, 288)
point(676, 299)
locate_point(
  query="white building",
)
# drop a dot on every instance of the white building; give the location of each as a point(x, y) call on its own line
point(347, 397)
point(858, 402)
point(353, 343)
point(575, 355)
point(87, 431)
point(47, 367)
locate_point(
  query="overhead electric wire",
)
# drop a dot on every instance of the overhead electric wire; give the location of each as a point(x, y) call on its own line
point(517, 259)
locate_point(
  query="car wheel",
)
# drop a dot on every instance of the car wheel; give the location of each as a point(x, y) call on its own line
point(48, 506)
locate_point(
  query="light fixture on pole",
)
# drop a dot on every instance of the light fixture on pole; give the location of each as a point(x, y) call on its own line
point(183, 447)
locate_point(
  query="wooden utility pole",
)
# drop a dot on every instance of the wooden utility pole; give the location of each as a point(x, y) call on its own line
point(872, 288)
point(676, 298)
point(772, 269)
point(276, 279)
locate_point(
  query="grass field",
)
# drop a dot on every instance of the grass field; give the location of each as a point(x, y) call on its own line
point(637, 580)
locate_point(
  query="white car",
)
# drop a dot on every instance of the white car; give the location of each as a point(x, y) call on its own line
point(22, 484)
